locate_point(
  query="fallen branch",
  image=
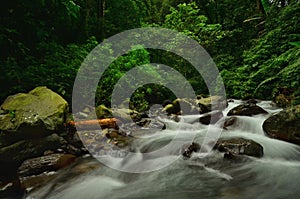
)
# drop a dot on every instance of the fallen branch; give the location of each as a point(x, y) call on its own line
point(94, 124)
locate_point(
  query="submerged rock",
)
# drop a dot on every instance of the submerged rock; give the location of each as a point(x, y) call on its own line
point(188, 150)
point(211, 118)
point(229, 121)
point(239, 146)
point(284, 125)
point(33, 115)
point(247, 109)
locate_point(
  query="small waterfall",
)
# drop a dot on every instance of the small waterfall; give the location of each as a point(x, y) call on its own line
point(205, 175)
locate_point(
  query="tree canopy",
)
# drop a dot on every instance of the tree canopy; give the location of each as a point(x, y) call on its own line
point(255, 44)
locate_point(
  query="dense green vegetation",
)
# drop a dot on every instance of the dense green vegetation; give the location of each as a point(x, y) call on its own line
point(255, 44)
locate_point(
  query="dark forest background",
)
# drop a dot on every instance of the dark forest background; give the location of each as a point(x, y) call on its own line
point(254, 43)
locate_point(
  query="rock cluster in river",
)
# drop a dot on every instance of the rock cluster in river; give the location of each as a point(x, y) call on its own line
point(30, 124)
point(36, 135)
point(195, 106)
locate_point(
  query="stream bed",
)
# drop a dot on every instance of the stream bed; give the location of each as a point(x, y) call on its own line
point(205, 175)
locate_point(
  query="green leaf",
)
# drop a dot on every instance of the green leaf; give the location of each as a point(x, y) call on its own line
point(297, 44)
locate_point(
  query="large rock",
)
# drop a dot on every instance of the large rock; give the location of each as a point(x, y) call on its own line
point(12, 156)
point(284, 125)
point(247, 109)
point(33, 115)
point(51, 162)
point(22, 150)
point(239, 146)
point(80, 166)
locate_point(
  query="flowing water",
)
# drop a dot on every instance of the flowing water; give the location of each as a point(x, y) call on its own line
point(204, 175)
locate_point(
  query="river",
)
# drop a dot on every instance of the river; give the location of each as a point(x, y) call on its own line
point(204, 175)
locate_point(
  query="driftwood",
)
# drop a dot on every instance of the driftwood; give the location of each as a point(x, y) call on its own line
point(93, 124)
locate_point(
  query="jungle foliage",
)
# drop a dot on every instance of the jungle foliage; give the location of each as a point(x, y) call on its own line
point(255, 44)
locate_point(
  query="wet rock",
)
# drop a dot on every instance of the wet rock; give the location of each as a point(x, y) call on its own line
point(211, 118)
point(211, 103)
point(51, 162)
point(284, 125)
point(29, 183)
point(252, 101)
point(232, 156)
point(22, 150)
point(117, 137)
point(229, 121)
point(247, 110)
point(81, 165)
point(188, 150)
point(239, 146)
point(32, 115)
point(182, 106)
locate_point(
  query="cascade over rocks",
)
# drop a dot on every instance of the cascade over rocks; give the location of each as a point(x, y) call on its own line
point(284, 125)
point(211, 118)
point(229, 121)
point(247, 109)
point(188, 150)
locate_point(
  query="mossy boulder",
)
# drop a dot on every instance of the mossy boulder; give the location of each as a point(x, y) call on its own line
point(31, 115)
point(284, 125)
point(211, 103)
point(182, 106)
point(101, 113)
